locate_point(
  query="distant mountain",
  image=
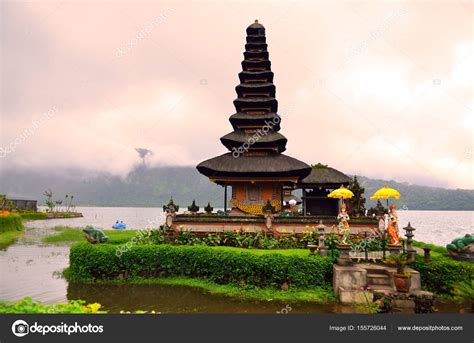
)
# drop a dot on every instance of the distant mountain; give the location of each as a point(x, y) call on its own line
point(153, 187)
point(415, 197)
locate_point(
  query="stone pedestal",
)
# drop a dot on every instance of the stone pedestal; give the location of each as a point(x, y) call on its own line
point(344, 256)
point(427, 255)
point(348, 281)
point(322, 251)
point(394, 249)
point(411, 252)
point(312, 248)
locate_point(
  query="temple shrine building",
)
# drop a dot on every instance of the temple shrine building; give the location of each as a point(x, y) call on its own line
point(254, 172)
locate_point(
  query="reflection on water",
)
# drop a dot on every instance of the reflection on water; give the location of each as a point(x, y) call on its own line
point(436, 227)
point(178, 299)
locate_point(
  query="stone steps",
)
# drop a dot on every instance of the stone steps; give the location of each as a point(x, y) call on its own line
point(381, 288)
point(378, 279)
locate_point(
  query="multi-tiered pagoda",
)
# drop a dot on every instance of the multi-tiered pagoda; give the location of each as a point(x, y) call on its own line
point(255, 167)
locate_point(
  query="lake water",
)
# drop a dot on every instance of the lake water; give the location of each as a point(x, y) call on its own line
point(32, 268)
point(436, 227)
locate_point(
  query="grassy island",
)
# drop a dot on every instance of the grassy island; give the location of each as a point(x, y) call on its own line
point(11, 227)
point(260, 274)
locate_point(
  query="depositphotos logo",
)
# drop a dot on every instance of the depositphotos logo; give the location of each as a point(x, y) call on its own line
point(21, 328)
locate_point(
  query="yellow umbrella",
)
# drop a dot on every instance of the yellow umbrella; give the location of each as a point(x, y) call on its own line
point(341, 193)
point(385, 193)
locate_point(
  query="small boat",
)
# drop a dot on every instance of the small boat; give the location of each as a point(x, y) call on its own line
point(119, 226)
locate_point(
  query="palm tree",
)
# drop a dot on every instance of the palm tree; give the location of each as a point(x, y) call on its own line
point(49, 199)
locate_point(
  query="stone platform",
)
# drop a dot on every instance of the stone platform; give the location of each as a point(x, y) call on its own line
point(202, 223)
point(349, 283)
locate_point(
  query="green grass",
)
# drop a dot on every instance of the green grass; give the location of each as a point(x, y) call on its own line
point(438, 250)
point(32, 215)
point(8, 238)
point(69, 235)
point(319, 295)
point(29, 215)
point(11, 227)
point(443, 273)
point(11, 222)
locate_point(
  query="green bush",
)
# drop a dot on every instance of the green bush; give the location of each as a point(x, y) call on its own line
point(220, 265)
point(434, 248)
point(27, 305)
point(249, 240)
point(11, 222)
point(443, 273)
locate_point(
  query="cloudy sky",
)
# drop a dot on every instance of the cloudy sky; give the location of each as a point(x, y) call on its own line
point(381, 89)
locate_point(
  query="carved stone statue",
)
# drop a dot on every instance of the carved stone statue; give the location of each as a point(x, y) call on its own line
point(462, 248)
point(343, 225)
point(170, 210)
point(392, 228)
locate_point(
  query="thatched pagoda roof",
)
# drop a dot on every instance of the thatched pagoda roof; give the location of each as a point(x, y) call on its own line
point(257, 111)
point(270, 165)
point(237, 138)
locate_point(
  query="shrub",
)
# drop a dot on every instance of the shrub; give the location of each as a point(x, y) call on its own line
point(237, 238)
point(220, 265)
point(434, 248)
point(27, 305)
point(443, 273)
point(11, 222)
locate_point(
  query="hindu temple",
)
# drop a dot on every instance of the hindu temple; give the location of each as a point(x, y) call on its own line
point(259, 181)
point(255, 168)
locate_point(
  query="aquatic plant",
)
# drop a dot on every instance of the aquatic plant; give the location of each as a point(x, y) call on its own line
point(366, 303)
point(27, 305)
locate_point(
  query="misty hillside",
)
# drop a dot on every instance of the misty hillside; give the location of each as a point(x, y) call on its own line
point(153, 187)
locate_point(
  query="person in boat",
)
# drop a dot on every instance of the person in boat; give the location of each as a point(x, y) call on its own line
point(119, 225)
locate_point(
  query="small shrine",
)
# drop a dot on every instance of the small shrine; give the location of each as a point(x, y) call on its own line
point(316, 187)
